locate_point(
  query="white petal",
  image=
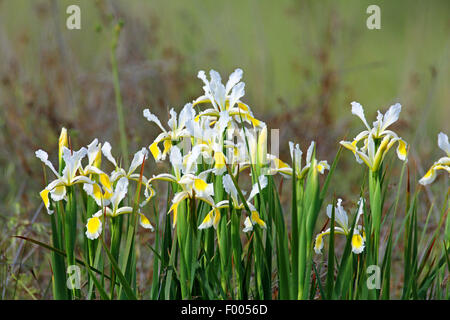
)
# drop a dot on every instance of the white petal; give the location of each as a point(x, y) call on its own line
point(234, 78)
point(443, 143)
point(106, 150)
point(229, 187)
point(119, 192)
point(137, 160)
point(237, 93)
point(172, 120)
point(309, 153)
point(358, 110)
point(43, 156)
point(186, 114)
point(255, 189)
point(341, 215)
point(248, 225)
point(123, 210)
point(152, 118)
point(92, 150)
point(391, 115)
point(201, 75)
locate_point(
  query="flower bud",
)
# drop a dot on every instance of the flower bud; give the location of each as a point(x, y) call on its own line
point(61, 144)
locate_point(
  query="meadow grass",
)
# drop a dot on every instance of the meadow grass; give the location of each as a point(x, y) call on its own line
point(218, 240)
point(327, 60)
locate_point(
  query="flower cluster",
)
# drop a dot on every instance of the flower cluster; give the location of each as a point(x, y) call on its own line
point(222, 141)
point(108, 190)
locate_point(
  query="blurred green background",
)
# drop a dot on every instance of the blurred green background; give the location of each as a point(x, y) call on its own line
point(303, 62)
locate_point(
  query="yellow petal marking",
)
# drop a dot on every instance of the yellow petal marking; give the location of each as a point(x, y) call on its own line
point(104, 180)
point(357, 241)
point(257, 219)
point(44, 195)
point(93, 225)
point(155, 150)
point(200, 184)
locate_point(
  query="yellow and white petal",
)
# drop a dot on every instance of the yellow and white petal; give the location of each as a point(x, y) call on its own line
point(248, 225)
point(154, 149)
point(165, 177)
point(349, 145)
point(362, 135)
point(95, 192)
point(429, 177)
point(208, 221)
point(281, 166)
point(117, 174)
point(62, 142)
point(81, 179)
point(216, 219)
point(322, 166)
point(58, 193)
point(382, 150)
point(123, 210)
point(149, 193)
point(318, 244)
point(402, 150)
point(93, 227)
point(208, 200)
point(89, 169)
point(145, 222)
point(219, 163)
point(167, 146)
point(106, 182)
point(357, 243)
point(180, 196)
point(202, 188)
point(256, 219)
point(44, 195)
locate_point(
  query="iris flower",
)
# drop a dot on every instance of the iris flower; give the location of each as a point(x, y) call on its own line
point(94, 153)
point(225, 97)
point(57, 188)
point(177, 130)
point(94, 224)
point(358, 238)
point(377, 140)
point(192, 185)
point(135, 163)
point(278, 166)
point(211, 141)
point(442, 164)
point(213, 217)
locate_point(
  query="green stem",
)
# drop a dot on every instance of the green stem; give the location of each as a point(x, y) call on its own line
point(119, 104)
point(70, 229)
